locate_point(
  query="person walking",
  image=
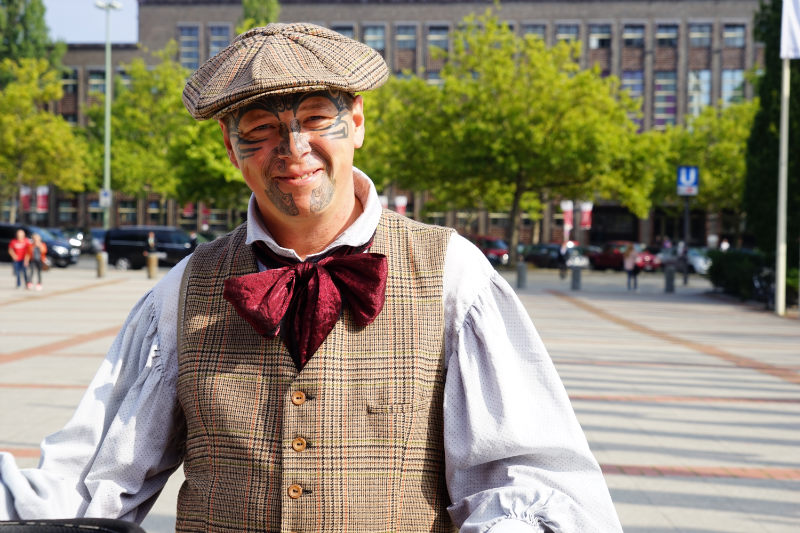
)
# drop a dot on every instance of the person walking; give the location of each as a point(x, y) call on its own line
point(631, 269)
point(38, 259)
point(328, 365)
point(19, 249)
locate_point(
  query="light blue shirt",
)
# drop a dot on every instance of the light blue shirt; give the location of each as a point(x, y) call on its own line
point(516, 457)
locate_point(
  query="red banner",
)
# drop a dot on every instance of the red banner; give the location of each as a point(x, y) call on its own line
point(586, 215)
point(24, 198)
point(42, 198)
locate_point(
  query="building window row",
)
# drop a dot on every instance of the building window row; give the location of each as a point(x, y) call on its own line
point(190, 54)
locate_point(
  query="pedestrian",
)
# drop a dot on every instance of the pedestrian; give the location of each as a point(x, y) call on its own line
point(38, 259)
point(563, 256)
point(19, 249)
point(328, 365)
point(631, 268)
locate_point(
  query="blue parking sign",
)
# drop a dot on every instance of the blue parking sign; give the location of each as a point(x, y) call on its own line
point(688, 181)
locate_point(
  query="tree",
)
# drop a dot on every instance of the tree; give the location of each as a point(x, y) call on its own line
point(715, 141)
point(257, 13)
point(23, 34)
point(512, 123)
point(36, 146)
point(147, 113)
point(761, 184)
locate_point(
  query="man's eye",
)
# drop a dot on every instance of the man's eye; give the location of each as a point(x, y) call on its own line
point(317, 121)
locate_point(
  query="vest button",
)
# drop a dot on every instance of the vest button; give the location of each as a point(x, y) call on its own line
point(298, 397)
point(295, 491)
point(299, 444)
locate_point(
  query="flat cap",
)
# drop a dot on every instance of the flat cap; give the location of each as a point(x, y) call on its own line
point(281, 59)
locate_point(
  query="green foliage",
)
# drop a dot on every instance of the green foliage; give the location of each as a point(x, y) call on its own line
point(715, 141)
point(201, 167)
point(761, 185)
point(23, 34)
point(733, 271)
point(511, 119)
point(257, 13)
point(36, 146)
point(156, 145)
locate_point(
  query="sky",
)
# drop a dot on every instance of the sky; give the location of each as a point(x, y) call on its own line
point(79, 21)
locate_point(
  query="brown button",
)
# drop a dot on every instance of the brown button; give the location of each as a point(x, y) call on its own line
point(299, 444)
point(295, 491)
point(298, 397)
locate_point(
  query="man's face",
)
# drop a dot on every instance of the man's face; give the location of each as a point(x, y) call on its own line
point(20, 234)
point(296, 152)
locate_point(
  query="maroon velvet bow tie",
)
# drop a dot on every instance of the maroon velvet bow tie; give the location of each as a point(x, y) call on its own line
point(307, 296)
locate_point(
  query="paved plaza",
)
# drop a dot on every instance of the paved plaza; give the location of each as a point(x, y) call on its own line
point(690, 400)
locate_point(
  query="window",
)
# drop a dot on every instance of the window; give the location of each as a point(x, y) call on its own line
point(405, 43)
point(375, 38)
point(97, 81)
point(733, 36)
point(69, 81)
point(633, 82)
point(667, 35)
point(664, 99)
point(633, 36)
point(699, 90)
point(437, 36)
point(218, 38)
point(599, 36)
point(732, 86)
point(189, 46)
point(345, 29)
point(700, 35)
point(539, 30)
point(566, 32)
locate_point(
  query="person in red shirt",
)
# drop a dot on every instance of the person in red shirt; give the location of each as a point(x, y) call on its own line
point(20, 251)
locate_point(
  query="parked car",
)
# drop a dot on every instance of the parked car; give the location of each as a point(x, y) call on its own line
point(126, 245)
point(495, 250)
point(59, 251)
point(610, 255)
point(648, 260)
point(547, 255)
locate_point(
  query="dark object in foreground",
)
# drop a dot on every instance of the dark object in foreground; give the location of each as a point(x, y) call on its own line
point(97, 525)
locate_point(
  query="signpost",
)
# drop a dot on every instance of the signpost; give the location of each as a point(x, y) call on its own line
point(688, 185)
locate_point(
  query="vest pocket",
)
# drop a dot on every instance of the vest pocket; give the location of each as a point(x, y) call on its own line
point(406, 407)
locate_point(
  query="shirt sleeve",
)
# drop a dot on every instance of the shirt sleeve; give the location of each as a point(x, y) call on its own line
point(516, 457)
point(115, 454)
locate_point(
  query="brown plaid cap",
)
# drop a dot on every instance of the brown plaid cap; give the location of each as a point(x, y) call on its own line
point(281, 59)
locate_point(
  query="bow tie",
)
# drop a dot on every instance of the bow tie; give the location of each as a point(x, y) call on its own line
point(303, 300)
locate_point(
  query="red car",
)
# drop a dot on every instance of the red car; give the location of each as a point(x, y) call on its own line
point(495, 250)
point(612, 256)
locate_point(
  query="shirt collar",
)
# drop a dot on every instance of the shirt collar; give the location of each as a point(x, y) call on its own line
point(357, 234)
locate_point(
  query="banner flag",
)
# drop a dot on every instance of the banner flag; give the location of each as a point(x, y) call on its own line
point(586, 215)
point(42, 198)
point(25, 198)
point(790, 30)
point(566, 208)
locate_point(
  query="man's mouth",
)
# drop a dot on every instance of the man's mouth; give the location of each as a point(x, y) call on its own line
point(301, 177)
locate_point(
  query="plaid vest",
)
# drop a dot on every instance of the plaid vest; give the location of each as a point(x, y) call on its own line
point(353, 442)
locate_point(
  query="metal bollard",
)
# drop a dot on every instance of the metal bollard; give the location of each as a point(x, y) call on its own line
point(102, 263)
point(522, 274)
point(669, 278)
point(576, 278)
point(152, 265)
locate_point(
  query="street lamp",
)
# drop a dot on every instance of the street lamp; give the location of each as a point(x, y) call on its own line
point(105, 194)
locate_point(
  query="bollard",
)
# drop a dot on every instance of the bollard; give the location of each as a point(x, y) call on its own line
point(576, 278)
point(102, 263)
point(522, 274)
point(669, 278)
point(152, 265)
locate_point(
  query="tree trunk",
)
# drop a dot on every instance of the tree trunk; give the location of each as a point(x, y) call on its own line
point(514, 219)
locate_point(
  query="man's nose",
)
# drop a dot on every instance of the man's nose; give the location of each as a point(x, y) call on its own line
point(295, 141)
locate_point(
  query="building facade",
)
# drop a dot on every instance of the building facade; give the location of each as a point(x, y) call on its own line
point(678, 56)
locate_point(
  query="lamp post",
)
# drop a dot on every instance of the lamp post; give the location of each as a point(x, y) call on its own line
point(105, 194)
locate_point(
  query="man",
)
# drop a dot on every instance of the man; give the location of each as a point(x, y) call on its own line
point(20, 249)
point(334, 367)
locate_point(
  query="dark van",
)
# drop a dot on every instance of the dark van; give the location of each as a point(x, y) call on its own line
point(126, 245)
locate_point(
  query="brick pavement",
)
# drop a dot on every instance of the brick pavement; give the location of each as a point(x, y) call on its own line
point(690, 401)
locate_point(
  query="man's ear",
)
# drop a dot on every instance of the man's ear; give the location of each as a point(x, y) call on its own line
point(358, 121)
point(227, 140)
